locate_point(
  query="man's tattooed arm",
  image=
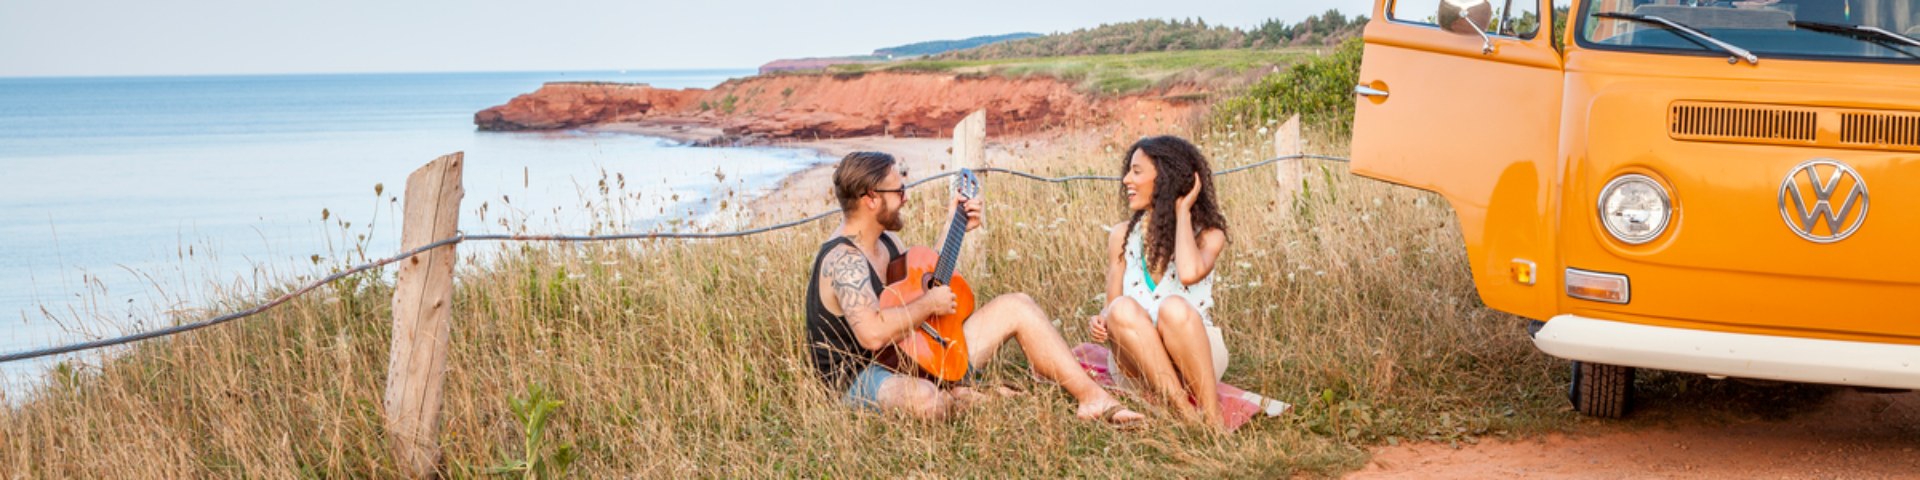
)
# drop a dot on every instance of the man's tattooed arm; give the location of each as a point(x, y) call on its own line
point(846, 271)
point(852, 283)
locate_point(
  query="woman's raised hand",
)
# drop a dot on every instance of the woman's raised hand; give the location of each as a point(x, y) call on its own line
point(1097, 328)
point(1192, 197)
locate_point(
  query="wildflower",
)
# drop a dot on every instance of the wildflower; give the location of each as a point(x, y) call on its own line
point(1013, 254)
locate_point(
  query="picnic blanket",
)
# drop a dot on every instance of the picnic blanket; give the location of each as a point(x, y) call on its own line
point(1236, 406)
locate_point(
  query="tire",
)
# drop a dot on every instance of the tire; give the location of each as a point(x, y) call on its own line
point(1601, 390)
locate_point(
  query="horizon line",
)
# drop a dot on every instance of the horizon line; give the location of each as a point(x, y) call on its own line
point(754, 69)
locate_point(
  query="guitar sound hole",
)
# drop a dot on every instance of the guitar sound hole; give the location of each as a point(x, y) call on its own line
point(926, 280)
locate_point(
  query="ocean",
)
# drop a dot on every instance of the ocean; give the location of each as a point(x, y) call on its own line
point(122, 199)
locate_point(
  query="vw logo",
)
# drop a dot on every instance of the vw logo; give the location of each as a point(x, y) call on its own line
point(1818, 199)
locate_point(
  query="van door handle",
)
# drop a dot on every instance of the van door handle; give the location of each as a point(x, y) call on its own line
point(1366, 91)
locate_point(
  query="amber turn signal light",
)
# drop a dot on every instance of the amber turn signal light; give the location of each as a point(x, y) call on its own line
point(1599, 287)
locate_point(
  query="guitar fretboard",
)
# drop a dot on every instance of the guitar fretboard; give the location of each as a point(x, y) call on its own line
point(950, 246)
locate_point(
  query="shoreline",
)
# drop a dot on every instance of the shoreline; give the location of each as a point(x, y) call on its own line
point(809, 190)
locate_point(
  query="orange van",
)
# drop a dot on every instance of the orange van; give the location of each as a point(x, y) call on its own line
point(1730, 188)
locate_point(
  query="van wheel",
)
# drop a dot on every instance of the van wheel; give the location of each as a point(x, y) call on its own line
point(1601, 390)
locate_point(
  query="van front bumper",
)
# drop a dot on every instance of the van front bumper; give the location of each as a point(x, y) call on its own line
point(1741, 355)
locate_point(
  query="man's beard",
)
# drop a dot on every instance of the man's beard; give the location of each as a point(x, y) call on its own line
point(891, 220)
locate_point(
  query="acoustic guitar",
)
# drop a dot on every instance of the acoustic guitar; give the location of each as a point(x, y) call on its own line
point(938, 348)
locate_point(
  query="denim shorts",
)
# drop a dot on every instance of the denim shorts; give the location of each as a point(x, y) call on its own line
point(865, 392)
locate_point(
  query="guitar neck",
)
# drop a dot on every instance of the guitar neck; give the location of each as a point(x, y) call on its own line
point(950, 246)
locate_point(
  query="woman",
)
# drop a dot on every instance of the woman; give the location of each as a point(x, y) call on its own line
point(1160, 279)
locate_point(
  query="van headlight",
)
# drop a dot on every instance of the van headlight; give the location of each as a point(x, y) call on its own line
point(1634, 208)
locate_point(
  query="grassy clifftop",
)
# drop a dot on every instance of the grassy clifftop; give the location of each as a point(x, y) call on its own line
point(1154, 35)
point(1351, 300)
point(1112, 74)
point(1129, 57)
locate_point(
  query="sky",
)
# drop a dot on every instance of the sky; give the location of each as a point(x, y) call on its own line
point(211, 37)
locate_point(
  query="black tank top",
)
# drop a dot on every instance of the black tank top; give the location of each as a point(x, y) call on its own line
point(837, 354)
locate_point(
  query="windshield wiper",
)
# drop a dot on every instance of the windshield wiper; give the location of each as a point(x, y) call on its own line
point(1737, 52)
point(1873, 34)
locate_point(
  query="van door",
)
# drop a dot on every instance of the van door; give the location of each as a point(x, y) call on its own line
point(1476, 119)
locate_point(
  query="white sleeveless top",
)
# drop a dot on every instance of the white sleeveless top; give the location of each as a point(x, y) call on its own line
point(1149, 294)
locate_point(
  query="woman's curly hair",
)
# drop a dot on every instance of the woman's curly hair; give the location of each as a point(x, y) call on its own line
point(1176, 161)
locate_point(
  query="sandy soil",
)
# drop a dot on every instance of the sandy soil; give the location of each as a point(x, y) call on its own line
point(1843, 434)
point(811, 191)
point(685, 131)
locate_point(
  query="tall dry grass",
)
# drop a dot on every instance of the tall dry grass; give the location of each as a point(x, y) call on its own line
point(1350, 299)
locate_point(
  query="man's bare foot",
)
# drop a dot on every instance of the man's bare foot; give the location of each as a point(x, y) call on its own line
point(1112, 412)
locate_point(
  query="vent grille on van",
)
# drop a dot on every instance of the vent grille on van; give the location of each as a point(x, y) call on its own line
point(1880, 129)
point(1693, 121)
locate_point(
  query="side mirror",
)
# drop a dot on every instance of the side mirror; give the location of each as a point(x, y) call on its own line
point(1468, 17)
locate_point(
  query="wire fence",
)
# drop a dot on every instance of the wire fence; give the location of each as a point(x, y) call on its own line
point(463, 237)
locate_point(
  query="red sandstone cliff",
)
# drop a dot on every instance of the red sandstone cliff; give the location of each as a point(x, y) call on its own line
point(832, 106)
point(572, 104)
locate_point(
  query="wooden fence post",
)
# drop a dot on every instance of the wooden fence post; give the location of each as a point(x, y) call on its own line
point(970, 151)
point(422, 310)
point(1287, 141)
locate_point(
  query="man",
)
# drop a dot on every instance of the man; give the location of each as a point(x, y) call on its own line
point(847, 331)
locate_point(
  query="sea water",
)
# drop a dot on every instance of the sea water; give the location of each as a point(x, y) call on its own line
point(122, 199)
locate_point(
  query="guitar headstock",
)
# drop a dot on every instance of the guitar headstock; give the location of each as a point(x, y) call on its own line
point(966, 185)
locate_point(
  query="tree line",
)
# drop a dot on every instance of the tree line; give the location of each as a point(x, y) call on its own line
point(1159, 35)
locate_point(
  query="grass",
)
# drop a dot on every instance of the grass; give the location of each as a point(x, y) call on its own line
point(1351, 300)
point(1117, 74)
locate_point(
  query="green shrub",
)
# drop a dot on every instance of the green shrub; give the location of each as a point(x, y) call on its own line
point(1319, 90)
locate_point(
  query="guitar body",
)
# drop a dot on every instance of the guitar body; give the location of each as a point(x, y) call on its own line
point(939, 348)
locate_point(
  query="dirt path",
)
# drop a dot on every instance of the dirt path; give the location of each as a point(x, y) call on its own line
point(1831, 433)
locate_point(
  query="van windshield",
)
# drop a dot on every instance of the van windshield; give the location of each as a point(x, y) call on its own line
point(1853, 29)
